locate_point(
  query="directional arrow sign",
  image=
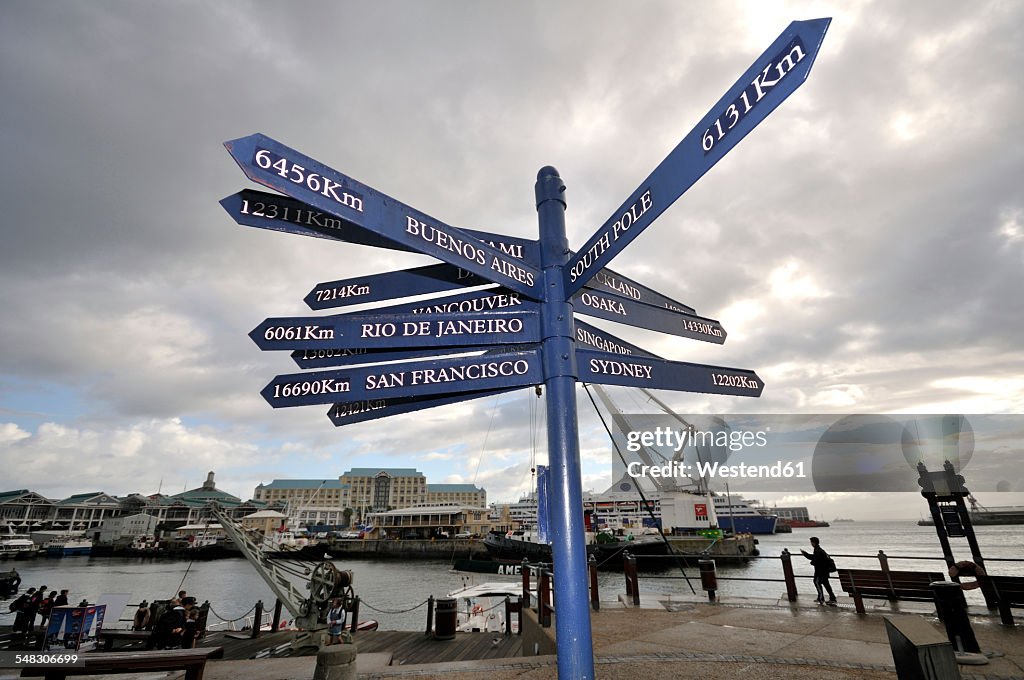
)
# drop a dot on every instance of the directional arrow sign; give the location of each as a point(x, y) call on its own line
point(378, 331)
point(348, 412)
point(607, 281)
point(490, 299)
point(325, 358)
point(405, 283)
point(441, 376)
point(645, 316)
point(612, 369)
point(594, 338)
point(279, 213)
point(251, 208)
point(276, 166)
point(774, 76)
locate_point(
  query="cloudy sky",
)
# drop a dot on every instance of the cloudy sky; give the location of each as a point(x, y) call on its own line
point(863, 247)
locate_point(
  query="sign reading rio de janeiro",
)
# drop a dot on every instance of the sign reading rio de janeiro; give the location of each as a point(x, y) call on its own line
point(519, 326)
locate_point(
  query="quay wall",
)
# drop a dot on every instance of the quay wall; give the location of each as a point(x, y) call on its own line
point(408, 549)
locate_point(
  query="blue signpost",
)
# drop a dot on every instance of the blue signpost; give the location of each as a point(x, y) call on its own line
point(523, 332)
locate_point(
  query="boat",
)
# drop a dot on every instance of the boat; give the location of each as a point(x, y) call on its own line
point(17, 548)
point(801, 524)
point(68, 546)
point(480, 608)
point(743, 516)
point(982, 516)
point(989, 516)
point(515, 546)
point(607, 548)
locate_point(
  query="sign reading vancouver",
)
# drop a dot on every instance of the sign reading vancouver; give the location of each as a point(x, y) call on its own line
point(501, 312)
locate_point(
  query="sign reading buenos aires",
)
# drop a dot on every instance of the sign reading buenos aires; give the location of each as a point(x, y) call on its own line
point(460, 374)
point(279, 167)
point(775, 75)
point(378, 331)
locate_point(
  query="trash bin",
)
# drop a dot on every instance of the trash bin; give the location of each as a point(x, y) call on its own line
point(445, 618)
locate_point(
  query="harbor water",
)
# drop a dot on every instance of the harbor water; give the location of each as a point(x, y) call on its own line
point(389, 587)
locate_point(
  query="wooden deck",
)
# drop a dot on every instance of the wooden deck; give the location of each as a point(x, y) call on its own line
point(405, 647)
point(408, 648)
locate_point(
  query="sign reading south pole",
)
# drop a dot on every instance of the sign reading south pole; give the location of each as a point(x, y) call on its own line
point(776, 74)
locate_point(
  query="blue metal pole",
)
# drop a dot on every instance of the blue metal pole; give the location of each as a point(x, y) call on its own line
point(572, 612)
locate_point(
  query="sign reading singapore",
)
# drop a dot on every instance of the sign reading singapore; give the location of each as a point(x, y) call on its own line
point(524, 330)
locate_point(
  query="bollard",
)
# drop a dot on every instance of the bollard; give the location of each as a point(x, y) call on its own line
point(430, 614)
point(257, 619)
point(632, 582)
point(544, 598)
point(447, 611)
point(337, 662)
point(952, 607)
point(526, 582)
point(508, 615)
point(708, 577)
point(276, 623)
point(355, 614)
point(595, 599)
point(787, 573)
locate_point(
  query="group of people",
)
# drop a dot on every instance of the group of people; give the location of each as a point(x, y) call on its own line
point(177, 626)
point(35, 602)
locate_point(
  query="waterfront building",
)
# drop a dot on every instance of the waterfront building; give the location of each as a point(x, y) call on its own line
point(126, 527)
point(84, 511)
point(264, 521)
point(23, 509)
point(306, 501)
point(427, 522)
point(457, 494)
point(379, 489)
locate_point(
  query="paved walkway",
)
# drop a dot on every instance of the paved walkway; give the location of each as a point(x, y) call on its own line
point(745, 639)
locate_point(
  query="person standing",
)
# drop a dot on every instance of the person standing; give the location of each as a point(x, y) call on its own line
point(336, 619)
point(45, 607)
point(188, 632)
point(62, 599)
point(21, 607)
point(167, 630)
point(34, 603)
point(823, 565)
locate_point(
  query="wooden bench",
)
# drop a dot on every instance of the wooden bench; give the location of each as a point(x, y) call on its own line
point(1009, 592)
point(888, 585)
point(107, 637)
point(192, 661)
